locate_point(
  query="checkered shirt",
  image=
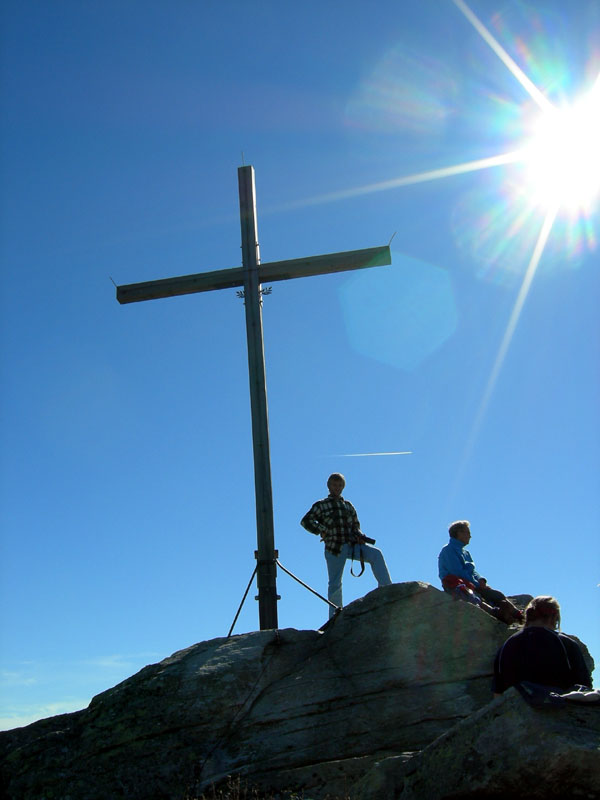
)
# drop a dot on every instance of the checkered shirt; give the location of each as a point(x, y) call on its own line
point(334, 520)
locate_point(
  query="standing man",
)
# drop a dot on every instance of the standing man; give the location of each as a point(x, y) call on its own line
point(336, 522)
point(459, 576)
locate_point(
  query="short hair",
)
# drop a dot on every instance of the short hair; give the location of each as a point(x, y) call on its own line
point(336, 476)
point(543, 607)
point(458, 527)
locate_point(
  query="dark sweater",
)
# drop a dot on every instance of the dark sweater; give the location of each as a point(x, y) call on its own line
point(542, 656)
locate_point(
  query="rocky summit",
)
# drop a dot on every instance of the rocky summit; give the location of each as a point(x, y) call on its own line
point(391, 700)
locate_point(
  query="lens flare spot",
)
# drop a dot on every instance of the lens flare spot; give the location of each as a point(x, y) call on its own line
point(405, 92)
point(404, 316)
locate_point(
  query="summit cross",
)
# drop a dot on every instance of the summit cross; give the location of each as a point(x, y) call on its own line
point(250, 275)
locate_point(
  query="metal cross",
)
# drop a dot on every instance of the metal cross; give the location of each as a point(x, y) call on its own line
point(250, 275)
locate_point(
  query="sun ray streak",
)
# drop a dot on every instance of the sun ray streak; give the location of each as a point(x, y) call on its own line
point(518, 307)
point(409, 180)
point(508, 62)
point(507, 338)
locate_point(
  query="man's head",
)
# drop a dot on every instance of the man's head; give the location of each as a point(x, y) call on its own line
point(336, 483)
point(461, 530)
point(544, 611)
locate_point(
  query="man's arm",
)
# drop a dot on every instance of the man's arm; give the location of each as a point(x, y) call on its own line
point(311, 520)
point(469, 567)
point(579, 671)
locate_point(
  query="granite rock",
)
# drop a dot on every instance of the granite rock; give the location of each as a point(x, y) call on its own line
point(309, 711)
point(506, 749)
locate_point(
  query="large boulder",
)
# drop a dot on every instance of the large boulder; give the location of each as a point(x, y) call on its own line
point(506, 749)
point(309, 711)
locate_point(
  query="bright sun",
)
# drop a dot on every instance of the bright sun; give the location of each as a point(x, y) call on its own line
point(562, 157)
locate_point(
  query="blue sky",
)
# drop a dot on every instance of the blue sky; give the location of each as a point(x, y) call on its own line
point(127, 498)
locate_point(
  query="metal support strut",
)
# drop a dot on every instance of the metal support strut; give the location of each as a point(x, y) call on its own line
point(291, 574)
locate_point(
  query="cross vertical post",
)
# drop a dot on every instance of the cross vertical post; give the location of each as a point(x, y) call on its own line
point(266, 575)
point(250, 275)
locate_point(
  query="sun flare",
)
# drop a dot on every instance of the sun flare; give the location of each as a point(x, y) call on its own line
point(562, 157)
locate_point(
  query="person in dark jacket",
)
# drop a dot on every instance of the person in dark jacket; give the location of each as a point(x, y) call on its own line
point(540, 653)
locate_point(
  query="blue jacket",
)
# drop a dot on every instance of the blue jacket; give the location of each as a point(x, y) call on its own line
point(455, 560)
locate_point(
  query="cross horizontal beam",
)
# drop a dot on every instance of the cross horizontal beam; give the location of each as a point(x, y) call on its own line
point(270, 271)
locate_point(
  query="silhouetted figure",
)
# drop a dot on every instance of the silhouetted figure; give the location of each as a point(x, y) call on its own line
point(539, 653)
point(336, 522)
point(460, 578)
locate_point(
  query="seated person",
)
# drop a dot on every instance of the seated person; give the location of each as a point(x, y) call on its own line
point(539, 653)
point(459, 577)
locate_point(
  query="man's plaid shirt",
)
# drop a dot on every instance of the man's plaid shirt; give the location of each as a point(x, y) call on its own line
point(334, 520)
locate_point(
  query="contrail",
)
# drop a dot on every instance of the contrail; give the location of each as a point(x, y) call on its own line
point(358, 455)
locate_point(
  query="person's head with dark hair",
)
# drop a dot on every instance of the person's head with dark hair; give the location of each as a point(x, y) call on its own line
point(460, 526)
point(461, 530)
point(543, 611)
point(335, 484)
